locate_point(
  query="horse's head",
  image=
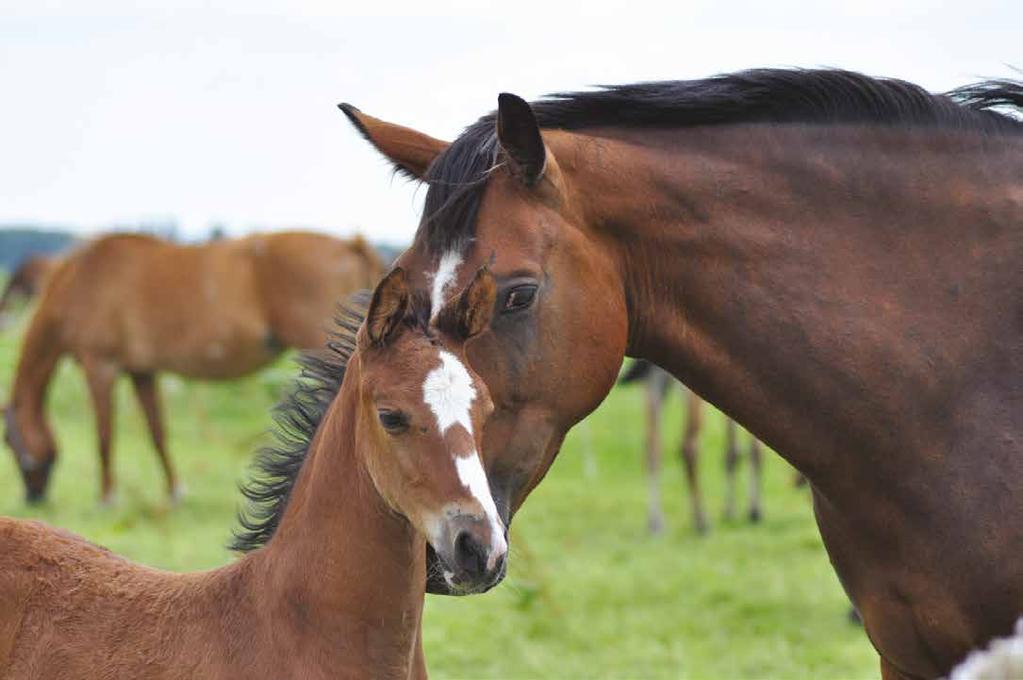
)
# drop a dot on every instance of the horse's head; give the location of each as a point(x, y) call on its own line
point(420, 426)
point(34, 461)
point(503, 195)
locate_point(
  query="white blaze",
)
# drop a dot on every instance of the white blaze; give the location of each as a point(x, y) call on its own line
point(444, 277)
point(470, 471)
point(449, 392)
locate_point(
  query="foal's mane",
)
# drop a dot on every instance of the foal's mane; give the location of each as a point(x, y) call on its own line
point(298, 416)
point(457, 177)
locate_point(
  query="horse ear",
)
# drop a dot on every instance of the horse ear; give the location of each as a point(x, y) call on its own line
point(469, 314)
point(519, 135)
point(388, 307)
point(410, 151)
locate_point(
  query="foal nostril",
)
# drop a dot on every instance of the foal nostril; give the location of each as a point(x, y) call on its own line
point(470, 556)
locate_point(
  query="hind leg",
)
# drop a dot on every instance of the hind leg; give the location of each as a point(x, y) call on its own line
point(101, 376)
point(690, 454)
point(149, 399)
point(730, 465)
point(756, 475)
point(655, 396)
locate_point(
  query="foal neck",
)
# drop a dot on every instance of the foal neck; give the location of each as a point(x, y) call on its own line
point(346, 575)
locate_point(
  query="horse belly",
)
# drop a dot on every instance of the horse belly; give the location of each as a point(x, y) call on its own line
point(232, 354)
point(217, 331)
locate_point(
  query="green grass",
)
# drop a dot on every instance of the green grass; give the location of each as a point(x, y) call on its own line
point(589, 594)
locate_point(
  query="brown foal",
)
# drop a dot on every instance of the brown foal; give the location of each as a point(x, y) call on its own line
point(832, 259)
point(138, 305)
point(333, 586)
point(658, 382)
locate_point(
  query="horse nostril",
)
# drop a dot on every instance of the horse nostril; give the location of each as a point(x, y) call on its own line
point(470, 556)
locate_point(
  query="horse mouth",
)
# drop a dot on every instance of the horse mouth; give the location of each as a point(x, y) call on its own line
point(443, 580)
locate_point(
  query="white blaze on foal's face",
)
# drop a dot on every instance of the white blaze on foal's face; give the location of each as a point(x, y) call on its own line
point(449, 392)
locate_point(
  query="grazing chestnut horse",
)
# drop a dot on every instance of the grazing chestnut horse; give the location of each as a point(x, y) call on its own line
point(26, 281)
point(379, 458)
point(658, 382)
point(138, 305)
point(831, 259)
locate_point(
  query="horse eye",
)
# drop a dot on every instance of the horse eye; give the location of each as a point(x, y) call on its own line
point(519, 297)
point(394, 422)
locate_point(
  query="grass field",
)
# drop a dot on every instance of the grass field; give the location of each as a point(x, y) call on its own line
point(589, 594)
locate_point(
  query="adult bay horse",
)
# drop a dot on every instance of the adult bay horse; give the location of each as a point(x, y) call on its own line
point(26, 281)
point(135, 304)
point(380, 456)
point(833, 260)
point(658, 382)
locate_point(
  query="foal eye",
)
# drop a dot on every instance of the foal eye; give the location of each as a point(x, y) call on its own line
point(393, 421)
point(519, 297)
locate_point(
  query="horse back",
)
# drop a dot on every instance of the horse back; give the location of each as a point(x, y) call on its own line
point(303, 276)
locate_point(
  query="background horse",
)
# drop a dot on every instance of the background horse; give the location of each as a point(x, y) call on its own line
point(386, 458)
point(657, 382)
point(139, 305)
point(26, 281)
point(831, 259)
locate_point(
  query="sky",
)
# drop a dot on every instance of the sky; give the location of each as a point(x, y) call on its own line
point(120, 113)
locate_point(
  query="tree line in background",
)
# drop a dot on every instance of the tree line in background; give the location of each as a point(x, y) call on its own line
point(17, 243)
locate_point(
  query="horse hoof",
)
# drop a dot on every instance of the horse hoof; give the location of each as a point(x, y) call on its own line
point(108, 500)
point(754, 515)
point(177, 494)
point(655, 525)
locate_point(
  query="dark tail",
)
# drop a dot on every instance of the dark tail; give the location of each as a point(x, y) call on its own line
point(638, 370)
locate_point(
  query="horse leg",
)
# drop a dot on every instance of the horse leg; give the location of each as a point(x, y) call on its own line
point(149, 398)
point(100, 376)
point(731, 464)
point(689, 458)
point(655, 395)
point(756, 478)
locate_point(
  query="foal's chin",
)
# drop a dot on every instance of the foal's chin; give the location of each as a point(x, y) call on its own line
point(439, 584)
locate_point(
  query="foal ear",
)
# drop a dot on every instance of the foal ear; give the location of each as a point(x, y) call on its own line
point(410, 151)
point(469, 314)
point(388, 307)
point(519, 135)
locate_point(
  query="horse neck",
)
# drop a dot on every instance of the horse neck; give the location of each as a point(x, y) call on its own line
point(40, 351)
point(776, 270)
point(342, 568)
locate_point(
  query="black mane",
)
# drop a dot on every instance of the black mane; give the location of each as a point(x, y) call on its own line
point(297, 417)
point(457, 177)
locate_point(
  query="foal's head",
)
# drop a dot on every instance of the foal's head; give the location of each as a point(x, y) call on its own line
point(421, 421)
